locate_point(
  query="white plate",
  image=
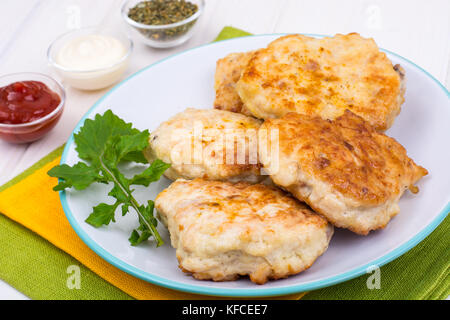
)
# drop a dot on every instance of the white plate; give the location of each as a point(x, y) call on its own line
point(157, 92)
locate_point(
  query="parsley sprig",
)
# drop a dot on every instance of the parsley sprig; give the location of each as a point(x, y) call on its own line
point(103, 143)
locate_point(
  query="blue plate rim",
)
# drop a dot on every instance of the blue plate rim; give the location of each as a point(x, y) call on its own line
point(259, 291)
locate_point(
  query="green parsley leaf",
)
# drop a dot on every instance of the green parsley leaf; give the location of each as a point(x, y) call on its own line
point(135, 156)
point(143, 232)
point(80, 176)
point(131, 143)
point(137, 238)
point(151, 174)
point(125, 208)
point(103, 214)
point(92, 138)
point(124, 145)
point(104, 142)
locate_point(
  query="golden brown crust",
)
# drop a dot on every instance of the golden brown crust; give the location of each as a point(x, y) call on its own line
point(243, 200)
point(344, 169)
point(228, 72)
point(322, 77)
point(223, 230)
point(347, 154)
point(206, 153)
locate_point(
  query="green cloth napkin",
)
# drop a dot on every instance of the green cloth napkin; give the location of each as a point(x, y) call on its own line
point(230, 32)
point(421, 273)
point(39, 270)
point(36, 267)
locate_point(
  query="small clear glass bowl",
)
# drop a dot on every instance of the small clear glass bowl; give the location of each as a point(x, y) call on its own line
point(31, 131)
point(163, 36)
point(94, 79)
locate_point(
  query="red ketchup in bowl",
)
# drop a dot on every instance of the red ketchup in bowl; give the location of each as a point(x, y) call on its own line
point(22, 105)
point(26, 101)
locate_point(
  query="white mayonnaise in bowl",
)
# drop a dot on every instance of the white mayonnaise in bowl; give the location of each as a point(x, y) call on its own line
point(90, 58)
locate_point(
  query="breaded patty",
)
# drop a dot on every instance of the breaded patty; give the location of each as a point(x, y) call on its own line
point(210, 144)
point(228, 72)
point(323, 77)
point(344, 169)
point(222, 230)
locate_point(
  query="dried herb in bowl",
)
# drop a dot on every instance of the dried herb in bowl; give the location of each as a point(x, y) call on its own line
point(163, 12)
point(160, 12)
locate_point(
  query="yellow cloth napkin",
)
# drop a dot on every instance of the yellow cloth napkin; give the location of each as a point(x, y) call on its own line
point(32, 203)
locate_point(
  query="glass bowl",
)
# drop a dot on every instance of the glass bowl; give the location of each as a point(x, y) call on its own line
point(163, 36)
point(93, 79)
point(31, 131)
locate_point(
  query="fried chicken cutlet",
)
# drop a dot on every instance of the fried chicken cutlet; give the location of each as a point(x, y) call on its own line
point(222, 230)
point(228, 72)
point(343, 168)
point(207, 143)
point(323, 77)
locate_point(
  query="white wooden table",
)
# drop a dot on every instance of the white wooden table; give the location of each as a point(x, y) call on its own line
point(418, 30)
